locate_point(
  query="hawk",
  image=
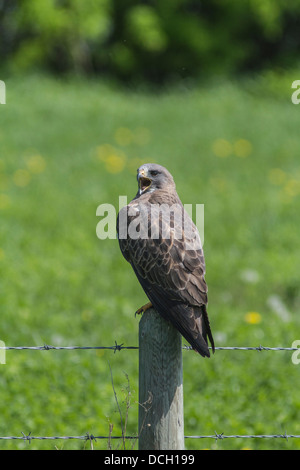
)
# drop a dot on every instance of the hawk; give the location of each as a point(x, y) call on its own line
point(162, 244)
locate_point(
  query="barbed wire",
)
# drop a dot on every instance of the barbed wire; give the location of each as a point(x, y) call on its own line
point(47, 347)
point(119, 347)
point(248, 348)
point(221, 436)
point(86, 437)
point(91, 437)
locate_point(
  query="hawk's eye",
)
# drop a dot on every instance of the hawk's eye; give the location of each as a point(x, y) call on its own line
point(153, 173)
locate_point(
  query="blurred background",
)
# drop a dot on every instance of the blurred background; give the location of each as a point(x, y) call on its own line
point(94, 89)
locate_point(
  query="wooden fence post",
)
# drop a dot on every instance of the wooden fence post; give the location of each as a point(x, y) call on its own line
point(161, 425)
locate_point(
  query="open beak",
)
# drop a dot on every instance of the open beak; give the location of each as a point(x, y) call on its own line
point(144, 182)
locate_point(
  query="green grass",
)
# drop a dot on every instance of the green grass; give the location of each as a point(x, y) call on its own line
point(67, 147)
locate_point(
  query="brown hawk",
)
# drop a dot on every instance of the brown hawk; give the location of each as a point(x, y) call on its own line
point(162, 244)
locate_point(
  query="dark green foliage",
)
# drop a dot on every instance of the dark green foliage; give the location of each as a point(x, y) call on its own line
point(153, 40)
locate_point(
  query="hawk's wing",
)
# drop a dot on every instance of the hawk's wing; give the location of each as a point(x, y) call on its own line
point(171, 271)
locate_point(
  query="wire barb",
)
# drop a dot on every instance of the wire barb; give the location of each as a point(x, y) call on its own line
point(118, 347)
point(47, 347)
point(27, 438)
point(91, 438)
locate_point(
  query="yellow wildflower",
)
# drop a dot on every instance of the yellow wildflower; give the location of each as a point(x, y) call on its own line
point(253, 318)
point(115, 162)
point(103, 151)
point(222, 148)
point(36, 164)
point(292, 187)
point(242, 148)
point(277, 176)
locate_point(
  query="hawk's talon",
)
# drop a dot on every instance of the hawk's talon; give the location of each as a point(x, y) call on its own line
point(143, 309)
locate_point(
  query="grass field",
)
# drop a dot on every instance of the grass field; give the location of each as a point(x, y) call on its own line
point(69, 146)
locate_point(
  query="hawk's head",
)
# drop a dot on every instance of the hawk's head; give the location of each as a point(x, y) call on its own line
point(151, 176)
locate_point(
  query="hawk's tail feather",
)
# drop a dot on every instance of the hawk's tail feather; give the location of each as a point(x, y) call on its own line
point(193, 324)
point(206, 330)
point(200, 346)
